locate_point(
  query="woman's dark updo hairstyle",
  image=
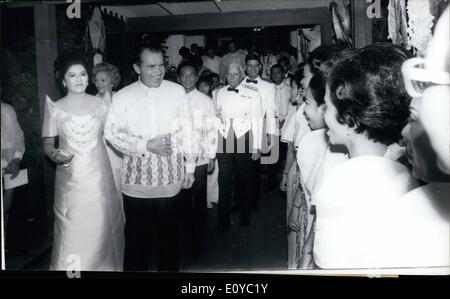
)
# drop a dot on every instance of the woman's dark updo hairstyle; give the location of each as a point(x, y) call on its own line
point(297, 78)
point(63, 63)
point(321, 54)
point(317, 86)
point(368, 92)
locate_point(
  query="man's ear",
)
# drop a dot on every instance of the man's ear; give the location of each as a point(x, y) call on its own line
point(136, 68)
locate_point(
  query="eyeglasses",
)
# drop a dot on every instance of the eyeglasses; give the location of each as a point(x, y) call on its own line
point(417, 78)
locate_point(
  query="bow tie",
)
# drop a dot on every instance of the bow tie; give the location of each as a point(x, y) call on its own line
point(251, 81)
point(233, 89)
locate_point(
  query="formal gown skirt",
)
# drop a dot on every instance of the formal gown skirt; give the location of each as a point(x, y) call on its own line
point(89, 219)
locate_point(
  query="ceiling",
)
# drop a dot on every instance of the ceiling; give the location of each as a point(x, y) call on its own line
point(169, 8)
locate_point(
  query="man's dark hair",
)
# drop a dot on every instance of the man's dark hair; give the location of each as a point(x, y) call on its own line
point(184, 64)
point(277, 66)
point(152, 46)
point(252, 56)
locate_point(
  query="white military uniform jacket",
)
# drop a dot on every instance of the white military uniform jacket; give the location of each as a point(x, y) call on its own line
point(269, 108)
point(242, 110)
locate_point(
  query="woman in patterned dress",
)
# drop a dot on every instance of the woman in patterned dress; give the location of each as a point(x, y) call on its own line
point(89, 220)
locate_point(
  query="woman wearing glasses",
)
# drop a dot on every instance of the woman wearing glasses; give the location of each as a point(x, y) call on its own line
point(429, 79)
point(423, 235)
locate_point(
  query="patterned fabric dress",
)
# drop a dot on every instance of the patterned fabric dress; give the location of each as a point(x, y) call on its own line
point(89, 219)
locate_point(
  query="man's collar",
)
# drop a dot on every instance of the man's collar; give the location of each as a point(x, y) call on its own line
point(192, 91)
point(279, 85)
point(145, 87)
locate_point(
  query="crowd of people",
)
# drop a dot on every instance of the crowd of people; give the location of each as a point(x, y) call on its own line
point(360, 139)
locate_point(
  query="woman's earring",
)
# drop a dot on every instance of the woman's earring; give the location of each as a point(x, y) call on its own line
point(64, 84)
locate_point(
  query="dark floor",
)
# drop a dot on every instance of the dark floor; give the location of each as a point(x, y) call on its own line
point(262, 246)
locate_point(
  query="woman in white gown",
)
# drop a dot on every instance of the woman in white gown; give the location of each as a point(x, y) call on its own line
point(89, 220)
point(367, 107)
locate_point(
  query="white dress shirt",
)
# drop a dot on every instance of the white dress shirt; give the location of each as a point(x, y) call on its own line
point(295, 127)
point(282, 96)
point(139, 114)
point(212, 63)
point(205, 126)
point(242, 110)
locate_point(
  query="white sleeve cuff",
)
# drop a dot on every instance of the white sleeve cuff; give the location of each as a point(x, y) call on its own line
point(141, 147)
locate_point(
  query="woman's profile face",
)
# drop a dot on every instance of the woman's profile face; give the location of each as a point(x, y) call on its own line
point(337, 132)
point(307, 75)
point(313, 112)
point(295, 93)
point(76, 79)
point(419, 152)
point(103, 83)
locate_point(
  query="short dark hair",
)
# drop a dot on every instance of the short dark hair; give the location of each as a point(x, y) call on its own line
point(152, 46)
point(204, 78)
point(184, 51)
point(277, 65)
point(368, 93)
point(252, 56)
point(284, 59)
point(214, 75)
point(186, 63)
point(317, 86)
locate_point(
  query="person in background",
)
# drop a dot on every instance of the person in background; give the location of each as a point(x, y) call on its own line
point(293, 131)
point(185, 53)
point(233, 56)
point(106, 79)
point(205, 145)
point(204, 85)
point(13, 148)
point(270, 131)
point(425, 211)
point(435, 109)
point(211, 60)
point(239, 108)
point(215, 83)
point(282, 93)
point(315, 159)
point(287, 69)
